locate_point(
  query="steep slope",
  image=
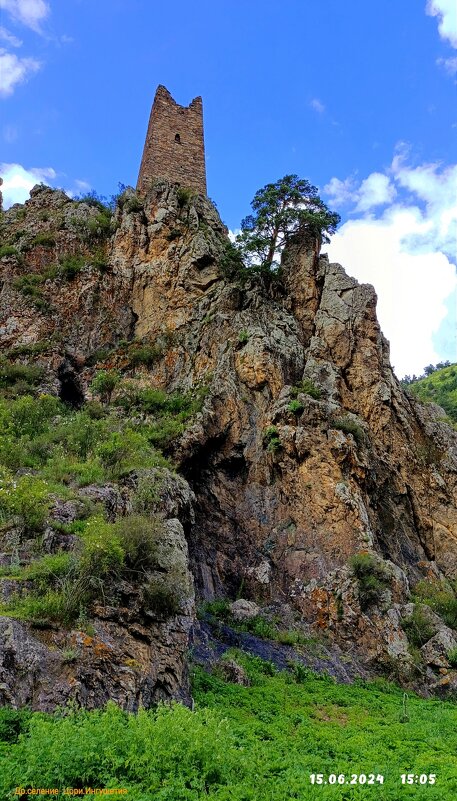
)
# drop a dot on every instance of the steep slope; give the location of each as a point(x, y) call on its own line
point(313, 482)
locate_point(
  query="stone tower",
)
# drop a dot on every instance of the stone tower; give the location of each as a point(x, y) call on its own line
point(174, 147)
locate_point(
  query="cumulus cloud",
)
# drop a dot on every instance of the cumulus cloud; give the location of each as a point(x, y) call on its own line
point(376, 190)
point(30, 13)
point(317, 105)
point(18, 181)
point(446, 11)
point(407, 251)
point(14, 70)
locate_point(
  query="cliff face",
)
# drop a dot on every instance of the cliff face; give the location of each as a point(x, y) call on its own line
point(306, 452)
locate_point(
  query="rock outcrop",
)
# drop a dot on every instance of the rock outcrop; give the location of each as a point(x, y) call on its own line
point(307, 450)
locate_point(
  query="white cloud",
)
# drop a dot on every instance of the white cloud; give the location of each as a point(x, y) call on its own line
point(341, 192)
point(446, 11)
point(317, 105)
point(9, 38)
point(376, 190)
point(449, 64)
point(82, 186)
point(29, 12)
point(407, 252)
point(14, 70)
point(17, 181)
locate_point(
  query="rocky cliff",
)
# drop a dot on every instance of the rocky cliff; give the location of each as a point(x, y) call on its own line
point(306, 480)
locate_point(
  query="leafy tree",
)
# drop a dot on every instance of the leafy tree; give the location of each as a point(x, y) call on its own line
point(104, 383)
point(287, 207)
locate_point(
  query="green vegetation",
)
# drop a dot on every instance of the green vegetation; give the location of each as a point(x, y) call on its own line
point(45, 240)
point(439, 596)
point(19, 379)
point(256, 743)
point(418, 627)
point(282, 210)
point(271, 439)
point(372, 578)
point(306, 387)
point(104, 383)
point(440, 386)
point(64, 585)
point(265, 628)
point(350, 426)
point(243, 337)
point(184, 195)
point(70, 266)
point(296, 407)
point(8, 250)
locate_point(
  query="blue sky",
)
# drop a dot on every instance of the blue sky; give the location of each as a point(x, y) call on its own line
point(360, 98)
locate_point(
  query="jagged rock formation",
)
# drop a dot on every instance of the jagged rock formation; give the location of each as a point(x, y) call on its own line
point(306, 452)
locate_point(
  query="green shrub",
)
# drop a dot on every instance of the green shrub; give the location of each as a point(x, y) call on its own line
point(13, 722)
point(122, 452)
point(29, 285)
point(11, 374)
point(147, 493)
point(145, 355)
point(102, 553)
point(271, 440)
point(184, 196)
point(243, 337)
point(161, 596)
point(27, 416)
point(372, 577)
point(440, 597)
point(140, 537)
point(25, 498)
point(53, 605)
point(45, 240)
point(100, 226)
point(349, 426)
point(418, 627)
point(8, 250)
point(295, 407)
point(231, 264)
point(133, 204)
point(306, 387)
point(70, 266)
point(104, 383)
point(165, 431)
point(452, 657)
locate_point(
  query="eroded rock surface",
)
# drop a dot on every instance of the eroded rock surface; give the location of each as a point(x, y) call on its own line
point(274, 497)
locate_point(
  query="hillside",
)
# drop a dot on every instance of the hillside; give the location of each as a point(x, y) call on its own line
point(440, 387)
point(179, 434)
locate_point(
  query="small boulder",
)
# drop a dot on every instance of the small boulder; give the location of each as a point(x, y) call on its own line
point(244, 610)
point(232, 671)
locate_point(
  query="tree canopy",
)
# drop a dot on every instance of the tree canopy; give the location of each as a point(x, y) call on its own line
point(282, 210)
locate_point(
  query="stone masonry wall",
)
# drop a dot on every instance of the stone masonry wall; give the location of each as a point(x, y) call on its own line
point(174, 147)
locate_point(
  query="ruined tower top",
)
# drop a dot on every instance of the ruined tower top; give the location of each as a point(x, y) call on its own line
point(174, 148)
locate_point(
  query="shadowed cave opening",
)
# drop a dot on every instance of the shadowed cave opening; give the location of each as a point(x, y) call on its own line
point(71, 391)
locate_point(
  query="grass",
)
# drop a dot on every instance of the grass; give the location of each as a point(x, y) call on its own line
point(256, 743)
point(260, 626)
